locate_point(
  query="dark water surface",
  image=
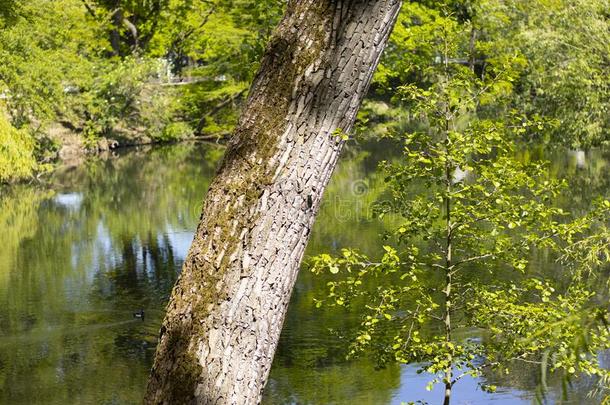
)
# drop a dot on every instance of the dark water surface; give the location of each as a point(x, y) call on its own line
point(96, 243)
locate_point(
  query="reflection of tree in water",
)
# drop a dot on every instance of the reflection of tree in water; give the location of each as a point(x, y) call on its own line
point(80, 262)
point(527, 377)
point(310, 368)
point(160, 255)
point(143, 275)
point(586, 172)
point(142, 280)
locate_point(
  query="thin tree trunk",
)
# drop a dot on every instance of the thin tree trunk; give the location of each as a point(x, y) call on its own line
point(226, 311)
point(133, 30)
point(471, 48)
point(448, 264)
point(449, 242)
point(115, 33)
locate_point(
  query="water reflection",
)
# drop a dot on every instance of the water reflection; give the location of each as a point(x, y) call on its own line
point(69, 200)
point(81, 253)
point(296, 383)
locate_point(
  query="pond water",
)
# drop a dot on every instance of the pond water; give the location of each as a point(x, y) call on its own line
point(82, 252)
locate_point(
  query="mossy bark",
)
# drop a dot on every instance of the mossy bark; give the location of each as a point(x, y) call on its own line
point(226, 312)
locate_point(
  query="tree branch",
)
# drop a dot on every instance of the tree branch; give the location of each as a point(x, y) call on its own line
point(89, 8)
point(217, 108)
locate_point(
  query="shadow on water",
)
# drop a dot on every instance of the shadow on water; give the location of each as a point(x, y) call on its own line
point(101, 241)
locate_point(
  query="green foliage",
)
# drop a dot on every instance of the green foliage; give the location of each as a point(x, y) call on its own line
point(211, 106)
point(537, 319)
point(566, 46)
point(130, 24)
point(470, 211)
point(122, 100)
point(558, 51)
point(226, 39)
point(42, 58)
point(16, 153)
point(417, 34)
point(8, 11)
point(113, 95)
point(176, 131)
point(62, 60)
point(109, 68)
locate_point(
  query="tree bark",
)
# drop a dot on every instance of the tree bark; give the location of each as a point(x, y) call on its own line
point(226, 311)
point(115, 32)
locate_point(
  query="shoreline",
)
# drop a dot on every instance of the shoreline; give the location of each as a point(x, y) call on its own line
point(74, 153)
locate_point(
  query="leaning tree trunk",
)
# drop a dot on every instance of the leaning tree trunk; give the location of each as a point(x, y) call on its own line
point(226, 312)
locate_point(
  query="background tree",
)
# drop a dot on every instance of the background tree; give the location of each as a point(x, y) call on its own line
point(17, 153)
point(131, 24)
point(218, 46)
point(8, 10)
point(565, 77)
point(62, 82)
point(563, 70)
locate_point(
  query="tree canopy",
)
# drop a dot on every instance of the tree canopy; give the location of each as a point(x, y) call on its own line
point(183, 67)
